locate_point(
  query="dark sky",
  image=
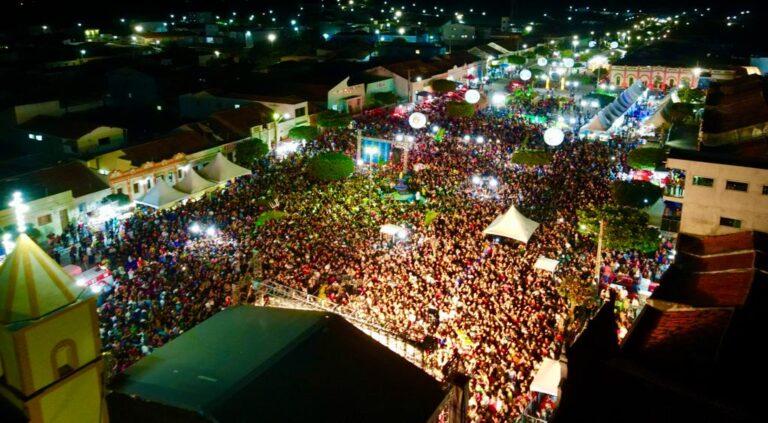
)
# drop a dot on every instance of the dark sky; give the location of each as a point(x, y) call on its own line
point(69, 10)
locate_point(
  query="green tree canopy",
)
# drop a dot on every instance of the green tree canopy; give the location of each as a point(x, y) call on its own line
point(383, 98)
point(691, 95)
point(646, 158)
point(330, 167)
point(531, 157)
point(677, 113)
point(516, 60)
point(304, 132)
point(578, 293)
point(442, 86)
point(626, 228)
point(248, 151)
point(637, 194)
point(456, 109)
point(331, 119)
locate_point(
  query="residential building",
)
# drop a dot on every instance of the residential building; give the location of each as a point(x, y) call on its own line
point(414, 76)
point(457, 34)
point(68, 135)
point(353, 93)
point(735, 111)
point(56, 196)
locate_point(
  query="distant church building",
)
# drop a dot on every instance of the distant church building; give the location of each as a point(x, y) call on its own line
point(50, 351)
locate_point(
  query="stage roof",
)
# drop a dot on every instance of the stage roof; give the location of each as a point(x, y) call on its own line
point(267, 364)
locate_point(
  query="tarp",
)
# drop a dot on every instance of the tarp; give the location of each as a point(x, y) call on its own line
point(161, 195)
point(512, 224)
point(193, 183)
point(547, 264)
point(547, 379)
point(222, 170)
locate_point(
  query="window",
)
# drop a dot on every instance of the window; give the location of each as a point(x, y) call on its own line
point(765, 189)
point(38, 137)
point(31, 136)
point(300, 111)
point(103, 141)
point(64, 357)
point(736, 186)
point(44, 220)
point(135, 187)
point(119, 190)
point(732, 223)
point(703, 181)
point(179, 172)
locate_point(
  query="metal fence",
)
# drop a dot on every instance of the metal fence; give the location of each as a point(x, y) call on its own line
point(283, 296)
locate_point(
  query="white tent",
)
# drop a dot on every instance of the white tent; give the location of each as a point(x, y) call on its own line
point(193, 183)
point(222, 170)
point(547, 379)
point(547, 264)
point(512, 224)
point(394, 230)
point(161, 195)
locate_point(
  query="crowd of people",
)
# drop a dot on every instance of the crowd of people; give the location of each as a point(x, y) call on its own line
point(476, 303)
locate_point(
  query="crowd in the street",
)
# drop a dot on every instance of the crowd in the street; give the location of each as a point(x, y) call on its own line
point(475, 302)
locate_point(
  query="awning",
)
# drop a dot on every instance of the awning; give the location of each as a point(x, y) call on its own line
point(547, 264)
point(548, 377)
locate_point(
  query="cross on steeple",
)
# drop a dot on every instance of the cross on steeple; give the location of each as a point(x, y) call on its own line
point(19, 208)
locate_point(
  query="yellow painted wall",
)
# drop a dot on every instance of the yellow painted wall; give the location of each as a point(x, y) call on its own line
point(78, 399)
point(78, 323)
point(90, 141)
point(10, 366)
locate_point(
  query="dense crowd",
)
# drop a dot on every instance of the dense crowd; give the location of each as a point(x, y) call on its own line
point(476, 303)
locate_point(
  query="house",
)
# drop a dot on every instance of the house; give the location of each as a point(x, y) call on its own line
point(68, 135)
point(457, 34)
point(354, 92)
point(414, 76)
point(56, 196)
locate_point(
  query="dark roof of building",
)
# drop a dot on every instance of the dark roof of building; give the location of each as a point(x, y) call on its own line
point(182, 141)
point(282, 99)
point(365, 78)
point(241, 120)
point(268, 364)
point(735, 104)
point(60, 127)
point(747, 154)
point(72, 176)
point(430, 67)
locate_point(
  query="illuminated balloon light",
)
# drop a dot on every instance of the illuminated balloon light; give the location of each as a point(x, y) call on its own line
point(568, 62)
point(417, 120)
point(525, 74)
point(614, 44)
point(542, 61)
point(472, 96)
point(553, 136)
point(592, 44)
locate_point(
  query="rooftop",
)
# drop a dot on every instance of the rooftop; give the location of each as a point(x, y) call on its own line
point(268, 364)
point(61, 127)
point(72, 176)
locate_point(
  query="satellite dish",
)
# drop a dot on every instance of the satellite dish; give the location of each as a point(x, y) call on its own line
point(525, 74)
point(417, 120)
point(472, 96)
point(542, 61)
point(553, 136)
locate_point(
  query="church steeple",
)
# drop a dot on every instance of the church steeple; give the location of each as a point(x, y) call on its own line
point(50, 351)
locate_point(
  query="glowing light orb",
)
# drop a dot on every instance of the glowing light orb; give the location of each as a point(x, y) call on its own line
point(542, 61)
point(498, 99)
point(525, 74)
point(472, 96)
point(553, 136)
point(417, 120)
point(568, 62)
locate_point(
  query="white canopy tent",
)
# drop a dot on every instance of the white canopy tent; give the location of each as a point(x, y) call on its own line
point(161, 195)
point(193, 183)
point(222, 170)
point(512, 224)
point(548, 377)
point(548, 264)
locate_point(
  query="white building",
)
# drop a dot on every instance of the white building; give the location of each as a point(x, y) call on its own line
point(718, 194)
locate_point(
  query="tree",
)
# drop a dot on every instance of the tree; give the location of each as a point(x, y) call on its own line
point(531, 157)
point(457, 109)
point(516, 60)
point(442, 86)
point(332, 166)
point(304, 132)
point(691, 95)
point(677, 113)
point(383, 98)
point(578, 292)
point(626, 228)
point(636, 194)
point(249, 151)
point(331, 119)
point(646, 158)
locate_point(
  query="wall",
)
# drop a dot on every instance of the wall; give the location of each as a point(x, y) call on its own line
point(703, 206)
point(51, 205)
point(26, 112)
point(337, 94)
point(89, 142)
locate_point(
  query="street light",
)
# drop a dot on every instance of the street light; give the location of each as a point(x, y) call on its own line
point(271, 37)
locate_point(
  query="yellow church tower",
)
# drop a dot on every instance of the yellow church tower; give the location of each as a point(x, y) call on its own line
point(50, 351)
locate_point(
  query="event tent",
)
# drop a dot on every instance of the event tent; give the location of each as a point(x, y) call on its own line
point(512, 224)
point(548, 264)
point(222, 170)
point(161, 195)
point(193, 183)
point(32, 284)
point(605, 118)
point(547, 379)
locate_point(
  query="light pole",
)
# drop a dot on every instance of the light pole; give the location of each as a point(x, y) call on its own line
point(599, 258)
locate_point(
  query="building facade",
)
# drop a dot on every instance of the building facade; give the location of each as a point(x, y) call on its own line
point(663, 77)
